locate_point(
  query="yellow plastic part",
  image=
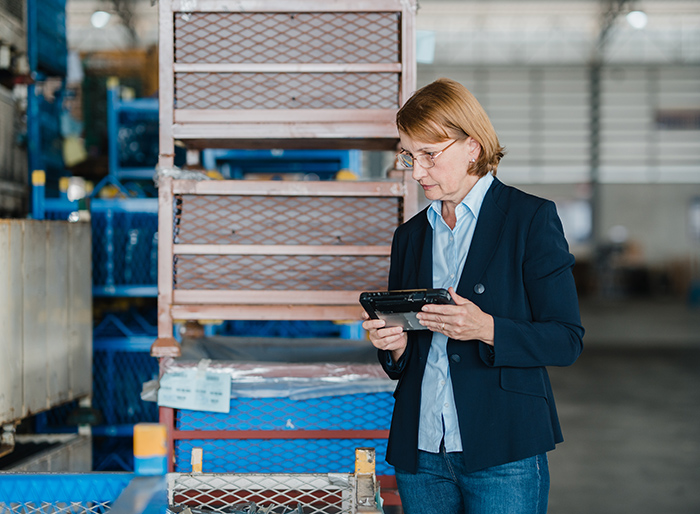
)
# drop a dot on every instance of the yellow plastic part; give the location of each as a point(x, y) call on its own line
point(364, 461)
point(38, 177)
point(150, 440)
point(196, 460)
point(63, 183)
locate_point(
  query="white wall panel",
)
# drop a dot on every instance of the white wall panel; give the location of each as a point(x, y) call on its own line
point(45, 315)
point(34, 318)
point(542, 116)
point(57, 304)
point(80, 309)
point(11, 387)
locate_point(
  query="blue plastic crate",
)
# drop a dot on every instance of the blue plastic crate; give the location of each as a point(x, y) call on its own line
point(125, 247)
point(121, 364)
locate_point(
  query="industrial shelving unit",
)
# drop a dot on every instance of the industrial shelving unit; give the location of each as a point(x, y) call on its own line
point(291, 76)
point(47, 54)
point(124, 250)
point(132, 135)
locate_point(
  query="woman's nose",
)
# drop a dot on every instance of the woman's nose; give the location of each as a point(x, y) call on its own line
point(418, 171)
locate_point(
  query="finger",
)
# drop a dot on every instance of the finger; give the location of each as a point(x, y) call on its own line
point(459, 300)
point(391, 342)
point(432, 322)
point(389, 332)
point(440, 309)
point(373, 324)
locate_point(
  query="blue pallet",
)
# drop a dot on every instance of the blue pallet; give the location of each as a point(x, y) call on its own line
point(279, 455)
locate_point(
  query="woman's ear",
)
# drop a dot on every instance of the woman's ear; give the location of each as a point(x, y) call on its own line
point(474, 149)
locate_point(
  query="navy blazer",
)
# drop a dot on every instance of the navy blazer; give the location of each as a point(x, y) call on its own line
point(519, 271)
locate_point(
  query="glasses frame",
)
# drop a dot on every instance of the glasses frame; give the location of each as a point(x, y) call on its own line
point(404, 156)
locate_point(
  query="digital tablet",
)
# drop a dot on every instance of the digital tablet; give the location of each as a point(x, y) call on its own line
point(399, 308)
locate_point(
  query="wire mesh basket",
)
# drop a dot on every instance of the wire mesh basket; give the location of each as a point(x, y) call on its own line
point(273, 493)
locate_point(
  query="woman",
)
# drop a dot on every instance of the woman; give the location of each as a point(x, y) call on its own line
point(474, 413)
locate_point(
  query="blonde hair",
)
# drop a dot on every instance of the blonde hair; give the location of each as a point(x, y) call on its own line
point(445, 109)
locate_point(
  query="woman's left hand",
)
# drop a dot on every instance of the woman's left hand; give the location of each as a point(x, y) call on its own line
point(463, 321)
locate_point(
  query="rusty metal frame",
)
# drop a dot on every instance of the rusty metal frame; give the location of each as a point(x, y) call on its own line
point(281, 128)
point(202, 304)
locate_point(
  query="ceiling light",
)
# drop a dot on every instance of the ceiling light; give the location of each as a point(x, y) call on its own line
point(637, 19)
point(99, 19)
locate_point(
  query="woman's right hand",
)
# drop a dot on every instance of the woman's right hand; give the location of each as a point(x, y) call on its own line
point(392, 339)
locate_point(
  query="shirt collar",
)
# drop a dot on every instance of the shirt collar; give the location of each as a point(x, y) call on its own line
point(471, 202)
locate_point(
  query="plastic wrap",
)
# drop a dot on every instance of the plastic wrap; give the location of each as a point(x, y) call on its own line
point(178, 173)
point(282, 368)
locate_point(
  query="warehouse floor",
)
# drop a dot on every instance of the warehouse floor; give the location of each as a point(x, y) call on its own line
point(630, 412)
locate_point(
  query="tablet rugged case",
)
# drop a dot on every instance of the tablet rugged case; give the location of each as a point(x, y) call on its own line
point(399, 307)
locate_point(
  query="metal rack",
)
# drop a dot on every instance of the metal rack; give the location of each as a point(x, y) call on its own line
point(300, 75)
point(47, 53)
point(330, 241)
point(132, 135)
point(278, 74)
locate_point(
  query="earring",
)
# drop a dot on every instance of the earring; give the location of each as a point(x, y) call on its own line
point(473, 160)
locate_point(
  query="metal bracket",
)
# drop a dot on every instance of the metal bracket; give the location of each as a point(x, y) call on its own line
point(367, 488)
point(7, 440)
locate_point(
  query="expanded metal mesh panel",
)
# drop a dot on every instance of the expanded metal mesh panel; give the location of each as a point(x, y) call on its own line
point(346, 412)
point(279, 494)
point(286, 37)
point(14, 8)
point(278, 455)
point(232, 91)
point(55, 508)
point(281, 272)
point(54, 493)
point(291, 220)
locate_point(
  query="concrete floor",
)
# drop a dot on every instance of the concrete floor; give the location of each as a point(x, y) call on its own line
point(630, 411)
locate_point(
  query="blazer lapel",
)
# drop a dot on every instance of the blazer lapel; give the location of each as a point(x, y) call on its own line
point(487, 233)
point(422, 241)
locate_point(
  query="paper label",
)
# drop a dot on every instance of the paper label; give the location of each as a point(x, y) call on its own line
point(195, 390)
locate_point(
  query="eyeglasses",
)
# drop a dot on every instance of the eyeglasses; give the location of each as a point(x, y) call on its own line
point(425, 159)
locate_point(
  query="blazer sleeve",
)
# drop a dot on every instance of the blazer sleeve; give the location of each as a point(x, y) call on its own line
point(394, 369)
point(554, 335)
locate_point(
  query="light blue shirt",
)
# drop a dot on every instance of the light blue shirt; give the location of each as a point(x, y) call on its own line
point(450, 249)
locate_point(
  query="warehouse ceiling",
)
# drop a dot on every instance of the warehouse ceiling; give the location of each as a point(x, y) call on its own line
point(459, 32)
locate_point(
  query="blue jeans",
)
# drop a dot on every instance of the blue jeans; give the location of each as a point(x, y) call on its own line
point(442, 487)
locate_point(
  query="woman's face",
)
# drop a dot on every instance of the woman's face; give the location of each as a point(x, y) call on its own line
point(448, 180)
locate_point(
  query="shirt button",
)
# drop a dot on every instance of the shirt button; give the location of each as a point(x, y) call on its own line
point(442, 382)
point(447, 405)
point(452, 275)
